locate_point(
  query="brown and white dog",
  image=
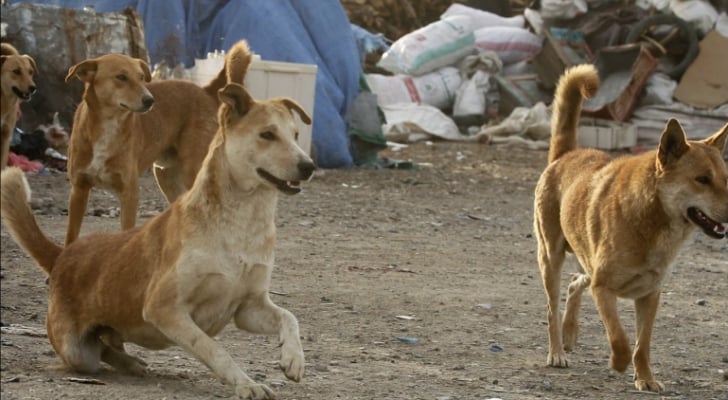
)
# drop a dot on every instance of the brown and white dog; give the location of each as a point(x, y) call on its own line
point(17, 84)
point(184, 275)
point(624, 219)
point(117, 135)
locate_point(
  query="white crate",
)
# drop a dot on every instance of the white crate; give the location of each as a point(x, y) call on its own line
point(267, 79)
point(606, 134)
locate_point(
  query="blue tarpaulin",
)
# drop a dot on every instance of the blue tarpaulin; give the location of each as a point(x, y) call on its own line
point(298, 31)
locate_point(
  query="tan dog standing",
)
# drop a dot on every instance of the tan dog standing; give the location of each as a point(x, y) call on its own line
point(185, 274)
point(624, 220)
point(117, 135)
point(17, 84)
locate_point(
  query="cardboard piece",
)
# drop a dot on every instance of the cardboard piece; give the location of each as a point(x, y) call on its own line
point(705, 83)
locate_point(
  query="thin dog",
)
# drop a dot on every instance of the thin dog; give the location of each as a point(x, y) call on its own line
point(17, 83)
point(185, 274)
point(117, 135)
point(624, 219)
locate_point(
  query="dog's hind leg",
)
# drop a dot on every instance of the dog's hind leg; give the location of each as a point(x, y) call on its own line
point(169, 182)
point(551, 254)
point(570, 326)
point(128, 201)
point(260, 315)
point(646, 310)
point(114, 354)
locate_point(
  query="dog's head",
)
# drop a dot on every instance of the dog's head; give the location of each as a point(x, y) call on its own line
point(693, 178)
point(17, 75)
point(115, 81)
point(260, 139)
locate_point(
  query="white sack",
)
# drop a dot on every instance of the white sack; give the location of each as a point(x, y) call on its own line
point(434, 46)
point(436, 88)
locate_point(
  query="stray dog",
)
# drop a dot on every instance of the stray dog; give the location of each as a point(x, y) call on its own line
point(116, 138)
point(17, 84)
point(185, 274)
point(624, 220)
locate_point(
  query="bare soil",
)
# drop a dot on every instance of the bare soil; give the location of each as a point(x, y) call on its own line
point(407, 285)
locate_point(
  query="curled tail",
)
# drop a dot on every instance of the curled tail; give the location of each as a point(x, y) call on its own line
point(20, 221)
point(577, 83)
point(237, 62)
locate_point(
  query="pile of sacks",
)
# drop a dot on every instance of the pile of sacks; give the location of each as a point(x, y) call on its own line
point(448, 65)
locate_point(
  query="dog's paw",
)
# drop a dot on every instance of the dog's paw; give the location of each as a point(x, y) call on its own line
point(138, 368)
point(292, 362)
point(649, 385)
point(557, 360)
point(619, 361)
point(254, 391)
point(569, 339)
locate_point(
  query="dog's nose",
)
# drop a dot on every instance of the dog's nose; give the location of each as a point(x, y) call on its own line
point(306, 168)
point(31, 89)
point(147, 101)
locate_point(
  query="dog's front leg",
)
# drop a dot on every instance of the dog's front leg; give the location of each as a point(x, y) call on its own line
point(260, 315)
point(646, 310)
point(606, 302)
point(179, 327)
point(129, 200)
point(76, 209)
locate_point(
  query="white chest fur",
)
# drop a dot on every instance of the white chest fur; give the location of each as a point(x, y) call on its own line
point(102, 151)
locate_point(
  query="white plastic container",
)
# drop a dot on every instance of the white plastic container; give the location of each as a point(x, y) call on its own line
point(267, 79)
point(606, 134)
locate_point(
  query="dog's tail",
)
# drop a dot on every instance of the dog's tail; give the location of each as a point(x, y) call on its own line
point(237, 62)
point(577, 83)
point(15, 194)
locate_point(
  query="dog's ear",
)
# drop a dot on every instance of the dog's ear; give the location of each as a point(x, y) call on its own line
point(237, 98)
point(719, 139)
point(147, 71)
point(673, 143)
point(85, 70)
point(31, 61)
point(292, 105)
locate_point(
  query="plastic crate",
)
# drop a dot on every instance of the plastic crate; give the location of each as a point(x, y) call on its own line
point(267, 79)
point(606, 134)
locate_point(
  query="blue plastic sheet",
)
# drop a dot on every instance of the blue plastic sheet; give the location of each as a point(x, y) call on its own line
point(310, 32)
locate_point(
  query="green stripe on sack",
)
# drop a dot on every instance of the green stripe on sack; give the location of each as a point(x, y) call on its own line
point(442, 51)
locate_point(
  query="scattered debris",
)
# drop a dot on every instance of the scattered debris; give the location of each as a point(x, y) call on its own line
point(85, 381)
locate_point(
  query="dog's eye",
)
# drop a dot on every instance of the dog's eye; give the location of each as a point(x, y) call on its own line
point(268, 135)
point(705, 180)
point(17, 71)
point(121, 77)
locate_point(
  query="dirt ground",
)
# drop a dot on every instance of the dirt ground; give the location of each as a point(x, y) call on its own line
point(372, 260)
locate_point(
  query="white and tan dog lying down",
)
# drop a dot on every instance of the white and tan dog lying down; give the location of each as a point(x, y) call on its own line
point(184, 275)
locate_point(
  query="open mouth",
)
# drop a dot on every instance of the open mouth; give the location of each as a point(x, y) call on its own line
point(21, 94)
point(287, 187)
point(711, 228)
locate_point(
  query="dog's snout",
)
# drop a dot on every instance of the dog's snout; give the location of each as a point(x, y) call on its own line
point(31, 89)
point(306, 168)
point(147, 101)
